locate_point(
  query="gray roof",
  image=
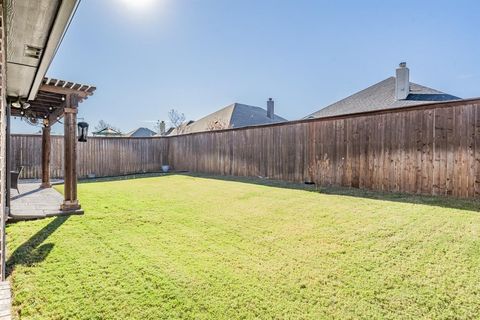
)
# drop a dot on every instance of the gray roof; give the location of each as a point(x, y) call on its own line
point(166, 133)
point(236, 115)
point(107, 132)
point(382, 96)
point(141, 132)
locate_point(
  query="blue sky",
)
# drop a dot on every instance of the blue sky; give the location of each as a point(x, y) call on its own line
point(197, 56)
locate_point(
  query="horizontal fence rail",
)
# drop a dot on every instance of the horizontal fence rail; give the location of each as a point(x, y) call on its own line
point(429, 149)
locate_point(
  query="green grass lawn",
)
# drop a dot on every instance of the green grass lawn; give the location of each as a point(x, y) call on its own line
point(198, 248)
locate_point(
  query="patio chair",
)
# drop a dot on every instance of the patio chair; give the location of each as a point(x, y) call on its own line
point(14, 175)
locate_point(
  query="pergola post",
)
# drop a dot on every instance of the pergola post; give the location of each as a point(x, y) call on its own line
point(70, 202)
point(46, 149)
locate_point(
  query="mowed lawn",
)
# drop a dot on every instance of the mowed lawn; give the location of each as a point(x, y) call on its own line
point(188, 247)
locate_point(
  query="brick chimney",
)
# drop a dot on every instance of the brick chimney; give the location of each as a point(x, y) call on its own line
point(402, 82)
point(270, 108)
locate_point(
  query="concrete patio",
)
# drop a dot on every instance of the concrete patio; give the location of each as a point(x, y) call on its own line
point(34, 202)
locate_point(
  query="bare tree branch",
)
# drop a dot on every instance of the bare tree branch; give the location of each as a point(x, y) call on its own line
point(103, 124)
point(176, 118)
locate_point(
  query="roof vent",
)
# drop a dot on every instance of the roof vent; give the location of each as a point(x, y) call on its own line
point(33, 52)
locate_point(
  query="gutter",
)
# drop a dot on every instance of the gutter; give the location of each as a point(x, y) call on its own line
point(66, 11)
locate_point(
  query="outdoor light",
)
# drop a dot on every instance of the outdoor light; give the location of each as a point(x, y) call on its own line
point(17, 104)
point(82, 131)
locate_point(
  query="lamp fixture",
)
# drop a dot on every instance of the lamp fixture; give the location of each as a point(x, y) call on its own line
point(82, 131)
point(19, 104)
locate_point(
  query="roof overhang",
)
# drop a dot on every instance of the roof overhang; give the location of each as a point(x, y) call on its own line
point(35, 30)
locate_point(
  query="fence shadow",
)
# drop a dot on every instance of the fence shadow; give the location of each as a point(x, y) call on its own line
point(33, 250)
point(437, 201)
point(124, 177)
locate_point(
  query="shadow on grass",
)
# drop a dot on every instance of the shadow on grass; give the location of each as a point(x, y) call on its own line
point(438, 201)
point(33, 251)
point(124, 177)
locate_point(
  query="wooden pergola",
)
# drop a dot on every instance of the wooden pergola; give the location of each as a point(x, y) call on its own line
point(56, 100)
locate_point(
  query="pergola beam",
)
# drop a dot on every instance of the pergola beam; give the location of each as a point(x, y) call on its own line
point(56, 114)
point(48, 100)
point(65, 91)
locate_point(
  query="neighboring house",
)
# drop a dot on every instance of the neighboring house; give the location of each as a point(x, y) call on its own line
point(236, 115)
point(140, 133)
point(393, 92)
point(107, 132)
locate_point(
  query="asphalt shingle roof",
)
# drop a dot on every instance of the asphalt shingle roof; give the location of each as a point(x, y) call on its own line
point(141, 132)
point(382, 96)
point(107, 132)
point(236, 115)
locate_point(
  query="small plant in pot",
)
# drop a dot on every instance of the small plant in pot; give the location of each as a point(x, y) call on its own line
point(165, 168)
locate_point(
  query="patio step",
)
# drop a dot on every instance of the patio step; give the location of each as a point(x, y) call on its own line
point(22, 216)
point(29, 215)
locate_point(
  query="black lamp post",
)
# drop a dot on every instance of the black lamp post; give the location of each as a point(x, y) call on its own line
point(82, 131)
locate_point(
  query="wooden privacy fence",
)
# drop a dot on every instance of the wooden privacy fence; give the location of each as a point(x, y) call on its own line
point(428, 149)
point(102, 157)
